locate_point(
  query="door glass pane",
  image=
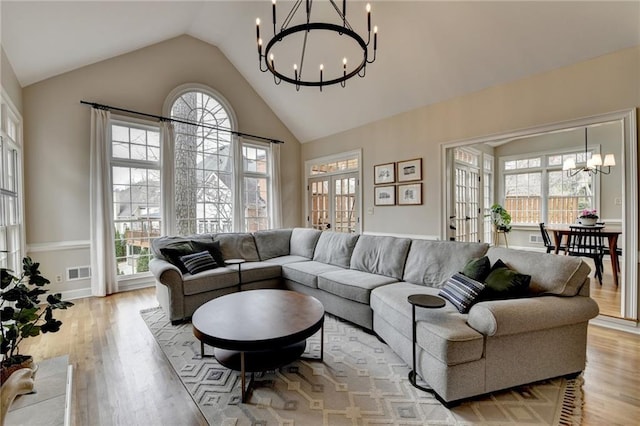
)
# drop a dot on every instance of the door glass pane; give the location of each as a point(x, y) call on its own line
point(319, 197)
point(345, 204)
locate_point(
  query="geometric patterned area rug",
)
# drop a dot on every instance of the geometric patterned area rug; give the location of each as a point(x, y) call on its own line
point(360, 381)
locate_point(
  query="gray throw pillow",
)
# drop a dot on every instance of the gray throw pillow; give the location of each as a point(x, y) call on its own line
point(462, 292)
point(198, 262)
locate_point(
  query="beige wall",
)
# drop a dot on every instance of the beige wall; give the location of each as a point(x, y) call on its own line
point(57, 129)
point(9, 81)
point(605, 84)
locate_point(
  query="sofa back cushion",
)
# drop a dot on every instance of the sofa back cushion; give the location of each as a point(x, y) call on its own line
point(335, 248)
point(272, 243)
point(380, 255)
point(432, 263)
point(303, 242)
point(157, 244)
point(238, 246)
point(550, 273)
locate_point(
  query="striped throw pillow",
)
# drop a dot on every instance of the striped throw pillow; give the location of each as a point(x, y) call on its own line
point(462, 291)
point(198, 262)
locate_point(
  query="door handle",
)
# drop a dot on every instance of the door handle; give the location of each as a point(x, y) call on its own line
point(328, 226)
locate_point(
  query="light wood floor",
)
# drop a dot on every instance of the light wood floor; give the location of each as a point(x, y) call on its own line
point(123, 378)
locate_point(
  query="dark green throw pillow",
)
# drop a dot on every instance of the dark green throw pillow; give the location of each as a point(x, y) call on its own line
point(505, 283)
point(212, 247)
point(175, 251)
point(477, 268)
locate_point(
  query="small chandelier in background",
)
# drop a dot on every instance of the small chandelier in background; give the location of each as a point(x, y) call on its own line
point(297, 74)
point(594, 164)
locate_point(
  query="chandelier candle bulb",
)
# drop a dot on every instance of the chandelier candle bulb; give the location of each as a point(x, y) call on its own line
point(258, 29)
point(260, 46)
point(368, 17)
point(273, 9)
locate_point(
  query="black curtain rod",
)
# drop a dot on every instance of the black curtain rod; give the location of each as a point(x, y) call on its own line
point(175, 120)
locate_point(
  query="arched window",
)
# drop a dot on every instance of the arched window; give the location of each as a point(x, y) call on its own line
point(204, 165)
point(222, 181)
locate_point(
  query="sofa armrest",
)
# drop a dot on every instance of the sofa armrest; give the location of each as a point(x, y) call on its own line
point(503, 317)
point(166, 273)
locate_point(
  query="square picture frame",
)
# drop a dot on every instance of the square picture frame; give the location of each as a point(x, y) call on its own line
point(385, 195)
point(384, 173)
point(410, 194)
point(410, 170)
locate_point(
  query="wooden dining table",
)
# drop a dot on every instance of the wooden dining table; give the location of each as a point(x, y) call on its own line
point(611, 235)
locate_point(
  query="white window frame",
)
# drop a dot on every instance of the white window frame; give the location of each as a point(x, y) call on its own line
point(543, 169)
point(9, 115)
point(238, 206)
point(243, 174)
point(129, 163)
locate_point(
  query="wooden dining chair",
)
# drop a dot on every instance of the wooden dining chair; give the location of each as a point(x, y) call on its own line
point(547, 240)
point(588, 242)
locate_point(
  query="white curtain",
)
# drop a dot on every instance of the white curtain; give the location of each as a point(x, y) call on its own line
point(276, 198)
point(103, 262)
point(167, 196)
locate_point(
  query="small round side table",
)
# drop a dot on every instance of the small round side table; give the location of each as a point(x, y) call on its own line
point(421, 301)
point(238, 262)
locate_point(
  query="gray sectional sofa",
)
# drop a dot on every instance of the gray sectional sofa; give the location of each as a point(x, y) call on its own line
point(367, 279)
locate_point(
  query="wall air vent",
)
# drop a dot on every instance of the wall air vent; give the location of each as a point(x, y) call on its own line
point(78, 273)
point(535, 238)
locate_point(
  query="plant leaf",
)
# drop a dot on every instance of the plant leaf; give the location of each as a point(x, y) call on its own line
point(6, 278)
point(7, 313)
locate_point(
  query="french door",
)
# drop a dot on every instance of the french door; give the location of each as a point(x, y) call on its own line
point(467, 206)
point(334, 203)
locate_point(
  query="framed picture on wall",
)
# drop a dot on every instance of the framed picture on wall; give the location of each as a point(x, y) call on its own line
point(410, 194)
point(384, 173)
point(410, 170)
point(385, 195)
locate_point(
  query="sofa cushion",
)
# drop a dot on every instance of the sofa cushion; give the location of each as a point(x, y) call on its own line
point(380, 255)
point(306, 273)
point(461, 291)
point(212, 279)
point(272, 243)
point(504, 283)
point(157, 244)
point(335, 248)
point(351, 284)
point(550, 273)
point(442, 332)
point(238, 246)
point(303, 242)
point(198, 262)
point(258, 271)
point(174, 252)
point(431, 263)
point(212, 247)
point(477, 268)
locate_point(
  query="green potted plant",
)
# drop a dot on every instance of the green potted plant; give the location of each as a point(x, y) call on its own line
point(22, 314)
point(501, 218)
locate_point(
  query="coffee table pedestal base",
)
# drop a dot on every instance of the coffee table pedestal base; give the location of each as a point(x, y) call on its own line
point(252, 361)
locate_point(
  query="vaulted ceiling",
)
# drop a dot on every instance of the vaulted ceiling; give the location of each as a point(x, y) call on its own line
point(427, 52)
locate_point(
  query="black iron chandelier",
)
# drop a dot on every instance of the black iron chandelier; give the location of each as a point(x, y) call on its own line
point(292, 33)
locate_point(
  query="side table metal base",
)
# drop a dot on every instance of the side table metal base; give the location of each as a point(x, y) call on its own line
point(412, 380)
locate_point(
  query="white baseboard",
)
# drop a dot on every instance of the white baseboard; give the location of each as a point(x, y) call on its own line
point(76, 294)
point(629, 326)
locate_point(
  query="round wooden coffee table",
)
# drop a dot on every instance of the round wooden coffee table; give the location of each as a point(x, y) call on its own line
point(258, 330)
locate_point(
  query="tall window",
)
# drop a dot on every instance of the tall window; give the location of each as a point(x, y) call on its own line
point(135, 172)
point(11, 234)
point(256, 178)
point(222, 183)
point(537, 190)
